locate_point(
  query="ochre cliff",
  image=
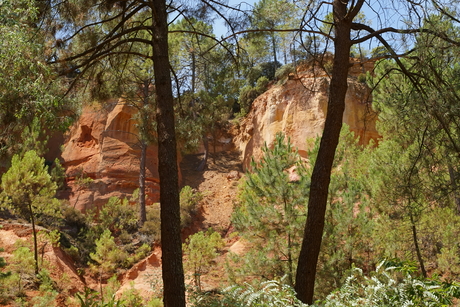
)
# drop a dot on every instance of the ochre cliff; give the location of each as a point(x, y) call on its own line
point(101, 157)
point(298, 109)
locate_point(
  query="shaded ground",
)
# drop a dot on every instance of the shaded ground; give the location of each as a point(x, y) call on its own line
point(218, 183)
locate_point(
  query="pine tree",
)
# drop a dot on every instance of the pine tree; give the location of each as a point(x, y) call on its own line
point(107, 255)
point(271, 212)
point(29, 191)
point(201, 249)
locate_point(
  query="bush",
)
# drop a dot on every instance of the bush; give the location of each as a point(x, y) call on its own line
point(108, 256)
point(269, 294)
point(284, 71)
point(21, 266)
point(362, 78)
point(201, 249)
point(74, 219)
point(189, 200)
point(248, 94)
point(58, 174)
point(118, 215)
point(152, 227)
point(213, 299)
point(392, 284)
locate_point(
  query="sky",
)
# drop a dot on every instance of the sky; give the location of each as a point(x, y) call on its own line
point(219, 27)
point(387, 10)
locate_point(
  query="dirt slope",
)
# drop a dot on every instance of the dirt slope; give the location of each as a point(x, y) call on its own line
point(218, 183)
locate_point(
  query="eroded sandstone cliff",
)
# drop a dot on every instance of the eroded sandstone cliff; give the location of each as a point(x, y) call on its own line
point(297, 107)
point(101, 157)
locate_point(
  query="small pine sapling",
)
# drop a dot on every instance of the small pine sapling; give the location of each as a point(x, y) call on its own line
point(201, 249)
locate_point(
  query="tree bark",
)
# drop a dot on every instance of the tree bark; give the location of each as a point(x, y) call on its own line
point(143, 157)
point(172, 269)
point(143, 160)
point(416, 246)
point(34, 233)
point(204, 161)
point(453, 182)
point(308, 258)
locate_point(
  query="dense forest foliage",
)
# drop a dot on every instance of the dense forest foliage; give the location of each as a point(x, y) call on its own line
point(374, 225)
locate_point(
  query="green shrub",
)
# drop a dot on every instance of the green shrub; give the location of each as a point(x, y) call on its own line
point(118, 215)
point(47, 296)
point(248, 94)
point(155, 302)
point(284, 71)
point(189, 200)
point(132, 298)
point(213, 299)
point(268, 294)
point(74, 218)
point(21, 265)
point(58, 174)
point(362, 78)
point(108, 256)
point(152, 227)
point(201, 249)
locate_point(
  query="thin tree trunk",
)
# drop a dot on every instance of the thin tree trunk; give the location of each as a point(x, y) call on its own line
point(204, 161)
point(143, 158)
point(308, 258)
point(417, 248)
point(214, 142)
point(290, 264)
point(193, 71)
point(32, 219)
point(172, 269)
point(275, 58)
point(453, 182)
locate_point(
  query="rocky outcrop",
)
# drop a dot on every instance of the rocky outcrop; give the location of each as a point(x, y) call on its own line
point(145, 276)
point(101, 157)
point(298, 109)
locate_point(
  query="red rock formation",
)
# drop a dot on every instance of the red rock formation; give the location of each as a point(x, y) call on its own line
point(102, 145)
point(298, 109)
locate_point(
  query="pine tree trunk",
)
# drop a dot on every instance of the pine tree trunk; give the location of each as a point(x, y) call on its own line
point(34, 234)
point(193, 71)
point(172, 269)
point(275, 58)
point(204, 161)
point(417, 247)
point(143, 160)
point(143, 157)
point(453, 182)
point(308, 258)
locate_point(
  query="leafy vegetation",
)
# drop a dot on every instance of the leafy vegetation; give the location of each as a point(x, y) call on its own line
point(201, 249)
point(271, 213)
point(392, 284)
point(28, 190)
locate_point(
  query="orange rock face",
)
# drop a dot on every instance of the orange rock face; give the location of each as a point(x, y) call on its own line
point(101, 157)
point(298, 109)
